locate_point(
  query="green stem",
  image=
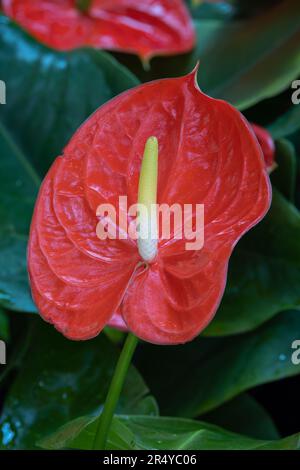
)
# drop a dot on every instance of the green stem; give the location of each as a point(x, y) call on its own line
point(83, 5)
point(114, 391)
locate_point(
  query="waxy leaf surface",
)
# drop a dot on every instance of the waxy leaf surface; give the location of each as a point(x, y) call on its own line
point(160, 433)
point(214, 370)
point(244, 415)
point(60, 380)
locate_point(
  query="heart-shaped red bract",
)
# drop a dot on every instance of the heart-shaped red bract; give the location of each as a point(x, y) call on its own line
point(208, 154)
point(267, 145)
point(143, 27)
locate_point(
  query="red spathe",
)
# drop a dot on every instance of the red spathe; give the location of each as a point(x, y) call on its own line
point(143, 27)
point(267, 144)
point(208, 155)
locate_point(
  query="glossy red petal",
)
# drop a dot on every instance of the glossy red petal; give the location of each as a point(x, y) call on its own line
point(72, 208)
point(164, 314)
point(77, 313)
point(208, 155)
point(267, 145)
point(55, 245)
point(146, 28)
point(73, 290)
point(78, 325)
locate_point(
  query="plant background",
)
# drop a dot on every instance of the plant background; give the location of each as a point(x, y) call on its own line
point(233, 387)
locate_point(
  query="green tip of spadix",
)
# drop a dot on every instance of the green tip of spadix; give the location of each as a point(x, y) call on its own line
point(148, 174)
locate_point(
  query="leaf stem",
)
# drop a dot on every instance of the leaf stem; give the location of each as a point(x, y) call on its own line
point(114, 391)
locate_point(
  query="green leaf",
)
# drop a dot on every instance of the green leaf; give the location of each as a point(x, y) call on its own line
point(245, 8)
point(264, 272)
point(19, 185)
point(287, 124)
point(49, 94)
point(18, 346)
point(207, 10)
point(244, 415)
point(242, 62)
point(60, 380)
point(80, 434)
point(67, 435)
point(285, 175)
point(4, 326)
point(158, 433)
point(255, 59)
point(176, 434)
point(214, 370)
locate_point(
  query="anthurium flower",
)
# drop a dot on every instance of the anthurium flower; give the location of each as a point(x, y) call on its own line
point(267, 145)
point(197, 150)
point(143, 27)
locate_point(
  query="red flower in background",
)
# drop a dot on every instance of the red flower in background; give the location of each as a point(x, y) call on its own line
point(143, 27)
point(207, 154)
point(267, 145)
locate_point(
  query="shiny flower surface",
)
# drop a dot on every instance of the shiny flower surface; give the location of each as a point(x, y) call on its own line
point(146, 28)
point(267, 145)
point(207, 155)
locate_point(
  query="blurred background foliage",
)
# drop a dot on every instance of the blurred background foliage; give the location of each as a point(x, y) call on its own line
point(221, 390)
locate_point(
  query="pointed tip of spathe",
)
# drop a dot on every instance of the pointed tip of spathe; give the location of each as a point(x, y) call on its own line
point(195, 69)
point(193, 75)
point(145, 60)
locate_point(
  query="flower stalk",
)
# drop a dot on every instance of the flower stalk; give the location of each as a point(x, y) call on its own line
point(113, 395)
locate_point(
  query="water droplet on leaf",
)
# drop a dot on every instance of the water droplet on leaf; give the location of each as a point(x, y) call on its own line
point(7, 433)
